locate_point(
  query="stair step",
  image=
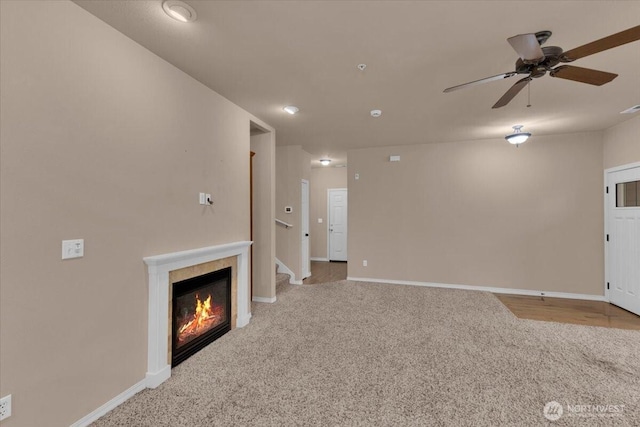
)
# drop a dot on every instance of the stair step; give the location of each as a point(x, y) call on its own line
point(282, 279)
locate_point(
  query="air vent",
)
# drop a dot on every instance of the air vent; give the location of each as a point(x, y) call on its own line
point(631, 110)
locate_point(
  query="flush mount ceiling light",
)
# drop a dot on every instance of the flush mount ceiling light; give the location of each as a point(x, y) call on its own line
point(376, 113)
point(517, 137)
point(325, 162)
point(179, 10)
point(291, 109)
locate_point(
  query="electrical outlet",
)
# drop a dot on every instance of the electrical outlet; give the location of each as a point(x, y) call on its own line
point(5, 407)
point(364, 262)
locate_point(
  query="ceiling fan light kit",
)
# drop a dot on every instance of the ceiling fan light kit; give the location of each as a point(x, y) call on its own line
point(536, 61)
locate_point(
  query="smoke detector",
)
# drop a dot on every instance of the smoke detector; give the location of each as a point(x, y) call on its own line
point(376, 113)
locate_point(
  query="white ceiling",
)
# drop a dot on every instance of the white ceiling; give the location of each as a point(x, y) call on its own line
point(263, 55)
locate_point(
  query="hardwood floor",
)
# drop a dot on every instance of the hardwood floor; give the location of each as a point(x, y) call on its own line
point(323, 272)
point(580, 312)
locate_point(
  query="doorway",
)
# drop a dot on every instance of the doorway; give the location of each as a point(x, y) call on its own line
point(622, 227)
point(304, 259)
point(261, 204)
point(337, 230)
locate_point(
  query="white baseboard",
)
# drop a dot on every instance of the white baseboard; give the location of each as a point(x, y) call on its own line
point(154, 379)
point(319, 259)
point(550, 294)
point(263, 299)
point(112, 404)
point(242, 321)
point(284, 269)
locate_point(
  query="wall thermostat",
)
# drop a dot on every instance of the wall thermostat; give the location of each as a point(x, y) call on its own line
point(288, 209)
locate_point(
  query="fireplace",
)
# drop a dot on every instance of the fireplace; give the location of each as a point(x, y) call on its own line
point(201, 312)
point(167, 269)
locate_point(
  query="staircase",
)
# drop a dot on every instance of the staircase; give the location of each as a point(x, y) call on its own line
point(282, 281)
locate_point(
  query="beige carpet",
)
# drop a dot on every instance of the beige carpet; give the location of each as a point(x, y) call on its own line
point(364, 354)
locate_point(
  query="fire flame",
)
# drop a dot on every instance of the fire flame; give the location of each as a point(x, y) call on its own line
point(201, 318)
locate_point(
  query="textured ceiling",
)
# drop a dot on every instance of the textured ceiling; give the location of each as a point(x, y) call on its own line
point(263, 55)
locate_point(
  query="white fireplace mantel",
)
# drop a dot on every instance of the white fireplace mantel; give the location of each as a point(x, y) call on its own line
point(159, 266)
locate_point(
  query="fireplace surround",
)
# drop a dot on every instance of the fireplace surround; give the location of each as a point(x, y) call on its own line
point(163, 270)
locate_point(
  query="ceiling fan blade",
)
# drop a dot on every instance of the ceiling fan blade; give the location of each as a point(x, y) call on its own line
point(614, 40)
point(512, 92)
point(584, 75)
point(527, 47)
point(485, 80)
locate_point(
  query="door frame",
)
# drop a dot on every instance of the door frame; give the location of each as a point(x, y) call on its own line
point(305, 264)
point(606, 219)
point(329, 220)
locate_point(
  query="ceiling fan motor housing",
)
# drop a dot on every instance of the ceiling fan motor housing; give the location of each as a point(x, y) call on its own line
point(552, 56)
point(543, 36)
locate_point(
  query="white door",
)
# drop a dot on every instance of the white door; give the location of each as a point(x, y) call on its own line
point(304, 260)
point(337, 224)
point(623, 235)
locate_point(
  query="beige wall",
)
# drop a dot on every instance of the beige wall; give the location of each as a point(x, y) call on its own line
point(622, 143)
point(292, 166)
point(264, 232)
point(481, 213)
point(321, 180)
point(101, 140)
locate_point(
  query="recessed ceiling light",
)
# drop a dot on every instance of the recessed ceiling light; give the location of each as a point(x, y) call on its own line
point(291, 109)
point(179, 10)
point(325, 162)
point(376, 113)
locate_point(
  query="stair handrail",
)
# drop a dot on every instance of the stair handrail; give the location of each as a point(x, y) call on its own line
point(286, 224)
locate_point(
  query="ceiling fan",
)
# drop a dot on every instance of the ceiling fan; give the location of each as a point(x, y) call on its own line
point(535, 61)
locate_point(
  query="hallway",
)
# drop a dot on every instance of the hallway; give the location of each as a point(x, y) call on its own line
point(324, 272)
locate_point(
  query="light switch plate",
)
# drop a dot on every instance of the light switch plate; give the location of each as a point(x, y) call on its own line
point(72, 248)
point(5, 407)
point(319, 220)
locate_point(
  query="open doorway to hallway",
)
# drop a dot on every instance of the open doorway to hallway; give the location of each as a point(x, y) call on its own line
point(325, 272)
